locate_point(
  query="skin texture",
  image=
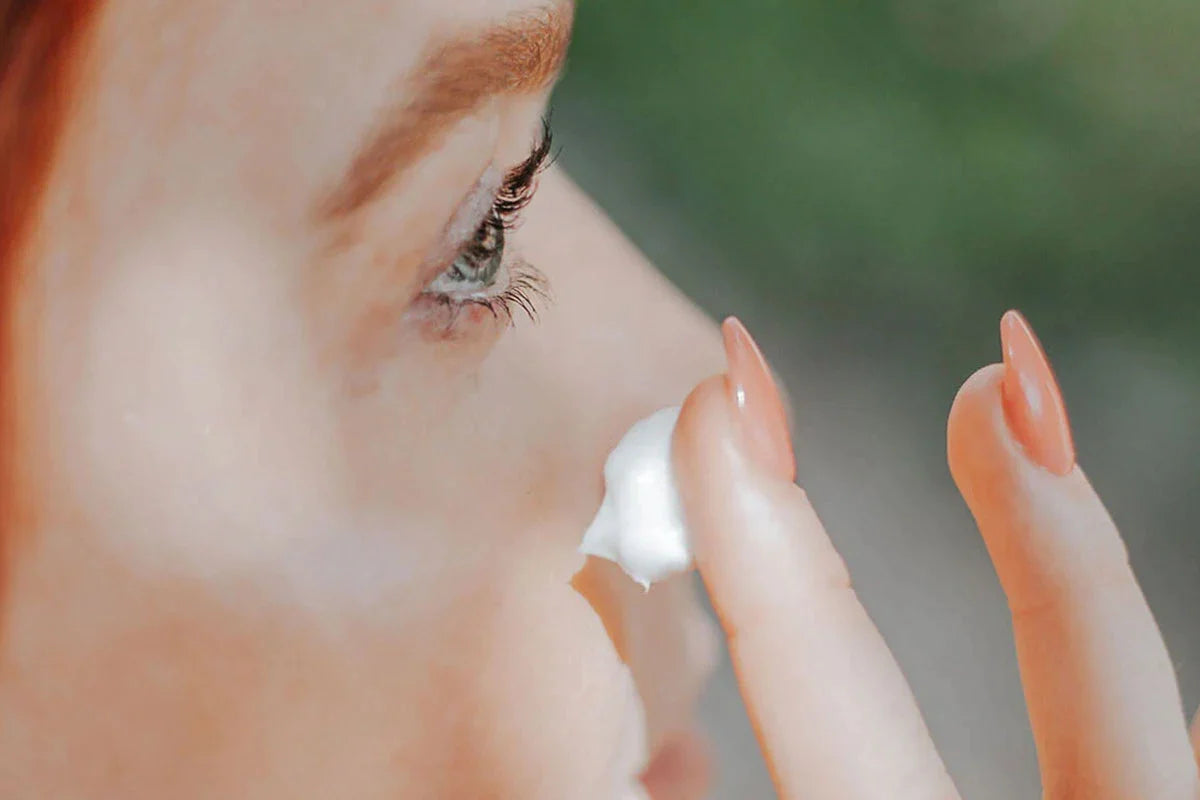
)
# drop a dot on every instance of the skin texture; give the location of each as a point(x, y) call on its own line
point(833, 713)
point(294, 533)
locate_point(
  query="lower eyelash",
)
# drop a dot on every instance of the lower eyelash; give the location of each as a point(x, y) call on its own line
point(527, 291)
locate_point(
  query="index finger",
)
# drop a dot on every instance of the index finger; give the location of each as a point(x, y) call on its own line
point(833, 713)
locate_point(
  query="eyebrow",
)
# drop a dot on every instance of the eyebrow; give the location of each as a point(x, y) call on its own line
point(523, 54)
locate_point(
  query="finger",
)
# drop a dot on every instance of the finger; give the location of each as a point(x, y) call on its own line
point(833, 714)
point(1102, 695)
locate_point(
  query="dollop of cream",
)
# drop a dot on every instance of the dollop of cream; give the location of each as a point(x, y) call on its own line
point(640, 523)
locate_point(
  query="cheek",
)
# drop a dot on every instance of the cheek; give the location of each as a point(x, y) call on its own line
point(490, 682)
point(181, 408)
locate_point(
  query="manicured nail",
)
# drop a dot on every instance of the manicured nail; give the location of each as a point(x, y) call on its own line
point(1032, 400)
point(760, 413)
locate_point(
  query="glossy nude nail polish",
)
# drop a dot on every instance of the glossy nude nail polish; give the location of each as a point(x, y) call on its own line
point(757, 405)
point(1032, 400)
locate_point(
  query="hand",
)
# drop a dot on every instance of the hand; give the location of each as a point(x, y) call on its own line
point(831, 709)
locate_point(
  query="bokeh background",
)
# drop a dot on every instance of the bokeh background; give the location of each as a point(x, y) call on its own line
point(870, 184)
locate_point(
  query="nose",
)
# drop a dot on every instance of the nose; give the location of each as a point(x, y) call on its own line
point(623, 339)
point(619, 343)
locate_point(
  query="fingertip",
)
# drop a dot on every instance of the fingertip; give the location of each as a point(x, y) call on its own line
point(752, 533)
point(703, 427)
point(980, 392)
point(703, 408)
point(976, 437)
point(702, 453)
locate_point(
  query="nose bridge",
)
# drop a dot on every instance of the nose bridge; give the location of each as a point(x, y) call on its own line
point(654, 343)
point(679, 346)
point(620, 338)
point(678, 343)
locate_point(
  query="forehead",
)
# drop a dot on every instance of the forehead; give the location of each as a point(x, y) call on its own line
point(326, 47)
point(279, 87)
point(275, 26)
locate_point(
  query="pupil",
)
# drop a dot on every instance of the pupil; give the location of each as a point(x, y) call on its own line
point(481, 260)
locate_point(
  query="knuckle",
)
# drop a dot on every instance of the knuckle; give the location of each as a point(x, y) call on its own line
point(1059, 596)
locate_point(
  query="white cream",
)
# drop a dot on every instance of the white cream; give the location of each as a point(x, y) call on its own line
point(640, 523)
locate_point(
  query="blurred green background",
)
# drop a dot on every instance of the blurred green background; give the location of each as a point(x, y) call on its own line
point(870, 185)
point(925, 162)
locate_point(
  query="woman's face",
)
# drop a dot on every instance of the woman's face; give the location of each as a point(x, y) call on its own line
point(305, 507)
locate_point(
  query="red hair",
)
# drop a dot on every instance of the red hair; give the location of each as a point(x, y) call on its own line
point(38, 42)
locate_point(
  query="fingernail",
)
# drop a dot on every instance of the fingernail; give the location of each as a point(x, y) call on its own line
point(1032, 400)
point(761, 418)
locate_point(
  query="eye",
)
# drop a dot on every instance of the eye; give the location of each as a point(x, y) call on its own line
point(479, 274)
point(477, 266)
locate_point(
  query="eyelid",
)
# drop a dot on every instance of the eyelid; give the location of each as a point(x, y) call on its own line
point(475, 206)
point(472, 210)
point(502, 194)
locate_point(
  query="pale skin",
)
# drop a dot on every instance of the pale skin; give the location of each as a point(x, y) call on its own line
point(833, 713)
point(295, 534)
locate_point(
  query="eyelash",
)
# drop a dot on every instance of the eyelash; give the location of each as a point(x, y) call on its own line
point(526, 287)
